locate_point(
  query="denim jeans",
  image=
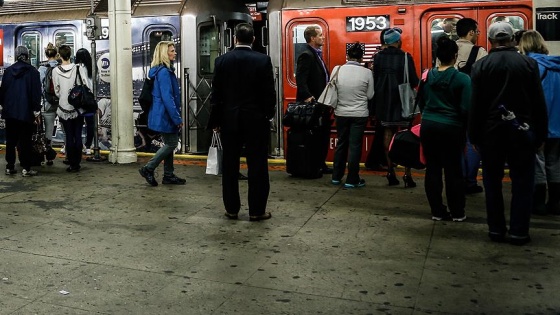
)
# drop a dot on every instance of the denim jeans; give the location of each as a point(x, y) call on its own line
point(73, 142)
point(471, 164)
point(165, 154)
point(350, 132)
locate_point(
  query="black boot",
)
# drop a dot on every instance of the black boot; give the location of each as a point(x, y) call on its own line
point(553, 205)
point(539, 197)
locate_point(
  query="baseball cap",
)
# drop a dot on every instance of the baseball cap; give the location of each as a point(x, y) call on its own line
point(21, 51)
point(500, 30)
point(392, 36)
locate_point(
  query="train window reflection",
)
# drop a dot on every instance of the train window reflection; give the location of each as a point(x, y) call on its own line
point(208, 49)
point(32, 41)
point(64, 37)
point(517, 22)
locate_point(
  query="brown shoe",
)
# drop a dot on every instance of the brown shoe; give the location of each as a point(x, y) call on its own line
point(265, 216)
point(231, 216)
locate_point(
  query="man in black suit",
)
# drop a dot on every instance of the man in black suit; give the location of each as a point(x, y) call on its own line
point(311, 78)
point(243, 102)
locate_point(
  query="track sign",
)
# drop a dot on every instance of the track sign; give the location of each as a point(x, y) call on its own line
point(548, 23)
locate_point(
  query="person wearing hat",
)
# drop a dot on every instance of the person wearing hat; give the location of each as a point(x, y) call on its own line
point(20, 98)
point(508, 122)
point(388, 73)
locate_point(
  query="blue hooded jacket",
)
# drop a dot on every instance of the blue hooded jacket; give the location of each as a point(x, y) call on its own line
point(20, 92)
point(549, 68)
point(165, 114)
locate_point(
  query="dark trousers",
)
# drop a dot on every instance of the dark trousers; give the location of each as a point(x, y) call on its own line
point(443, 148)
point(376, 155)
point(517, 148)
point(255, 135)
point(350, 133)
point(18, 135)
point(89, 130)
point(325, 139)
point(73, 145)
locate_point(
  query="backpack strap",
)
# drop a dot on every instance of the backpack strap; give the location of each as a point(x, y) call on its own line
point(472, 57)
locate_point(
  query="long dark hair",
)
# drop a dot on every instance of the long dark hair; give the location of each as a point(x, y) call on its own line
point(83, 56)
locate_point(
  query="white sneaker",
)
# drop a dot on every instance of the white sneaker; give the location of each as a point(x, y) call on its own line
point(26, 173)
point(88, 151)
point(63, 150)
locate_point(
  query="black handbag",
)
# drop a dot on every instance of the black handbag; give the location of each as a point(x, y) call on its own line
point(80, 96)
point(302, 115)
point(405, 149)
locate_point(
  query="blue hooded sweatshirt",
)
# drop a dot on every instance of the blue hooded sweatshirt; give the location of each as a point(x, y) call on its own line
point(549, 68)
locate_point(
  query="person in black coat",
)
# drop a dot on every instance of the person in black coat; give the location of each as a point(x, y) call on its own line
point(311, 79)
point(243, 102)
point(20, 97)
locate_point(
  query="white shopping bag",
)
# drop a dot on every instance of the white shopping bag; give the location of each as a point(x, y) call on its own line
point(214, 161)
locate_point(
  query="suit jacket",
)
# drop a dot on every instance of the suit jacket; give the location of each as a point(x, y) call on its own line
point(242, 88)
point(311, 77)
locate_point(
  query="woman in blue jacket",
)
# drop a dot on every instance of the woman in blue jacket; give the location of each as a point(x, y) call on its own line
point(165, 114)
point(547, 171)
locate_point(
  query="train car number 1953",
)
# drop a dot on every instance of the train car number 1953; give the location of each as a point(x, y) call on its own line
point(367, 23)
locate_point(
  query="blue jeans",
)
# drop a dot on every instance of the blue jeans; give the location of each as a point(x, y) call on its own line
point(471, 164)
point(165, 154)
point(350, 131)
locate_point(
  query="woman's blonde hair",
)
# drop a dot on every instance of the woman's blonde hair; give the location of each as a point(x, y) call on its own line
point(160, 54)
point(532, 41)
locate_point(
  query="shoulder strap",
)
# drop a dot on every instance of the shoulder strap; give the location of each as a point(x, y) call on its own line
point(335, 75)
point(472, 56)
point(78, 76)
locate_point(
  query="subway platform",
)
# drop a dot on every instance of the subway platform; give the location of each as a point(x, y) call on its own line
point(102, 241)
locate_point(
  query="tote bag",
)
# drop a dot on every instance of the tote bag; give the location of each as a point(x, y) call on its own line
point(214, 161)
point(407, 94)
point(329, 96)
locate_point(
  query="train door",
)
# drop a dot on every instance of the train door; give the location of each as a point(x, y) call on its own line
point(435, 23)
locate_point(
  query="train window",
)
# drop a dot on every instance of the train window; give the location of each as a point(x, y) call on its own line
point(158, 36)
point(32, 41)
point(65, 37)
point(442, 26)
point(299, 45)
point(517, 22)
point(208, 48)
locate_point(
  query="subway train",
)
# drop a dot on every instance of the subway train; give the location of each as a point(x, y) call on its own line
point(203, 30)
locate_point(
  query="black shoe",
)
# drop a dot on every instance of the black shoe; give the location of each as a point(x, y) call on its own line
point(473, 190)
point(497, 237)
point(148, 175)
point(65, 161)
point(173, 180)
point(231, 216)
point(242, 177)
point(393, 181)
point(11, 171)
point(265, 216)
point(73, 169)
point(408, 182)
point(519, 241)
point(327, 170)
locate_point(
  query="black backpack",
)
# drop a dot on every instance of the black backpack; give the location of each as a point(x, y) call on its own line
point(48, 88)
point(146, 99)
point(470, 61)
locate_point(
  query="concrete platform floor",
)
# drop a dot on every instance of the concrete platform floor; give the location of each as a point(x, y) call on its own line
point(118, 246)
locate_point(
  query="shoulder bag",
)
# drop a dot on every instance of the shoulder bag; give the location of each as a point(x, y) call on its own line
point(406, 93)
point(80, 96)
point(329, 96)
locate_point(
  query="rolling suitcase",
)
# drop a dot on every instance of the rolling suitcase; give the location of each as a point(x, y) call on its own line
point(303, 156)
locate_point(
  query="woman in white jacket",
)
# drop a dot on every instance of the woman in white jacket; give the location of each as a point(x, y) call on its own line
point(355, 87)
point(71, 118)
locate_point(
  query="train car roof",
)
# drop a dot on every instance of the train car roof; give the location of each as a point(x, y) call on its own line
point(48, 10)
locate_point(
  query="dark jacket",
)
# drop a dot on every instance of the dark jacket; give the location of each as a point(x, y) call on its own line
point(20, 92)
point(446, 97)
point(506, 77)
point(388, 73)
point(311, 77)
point(242, 88)
point(165, 114)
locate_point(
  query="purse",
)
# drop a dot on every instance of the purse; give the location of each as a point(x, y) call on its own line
point(407, 94)
point(214, 160)
point(301, 115)
point(80, 96)
point(329, 96)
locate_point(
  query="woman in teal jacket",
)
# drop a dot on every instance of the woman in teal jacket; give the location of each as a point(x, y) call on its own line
point(165, 114)
point(547, 171)
point(445, 101)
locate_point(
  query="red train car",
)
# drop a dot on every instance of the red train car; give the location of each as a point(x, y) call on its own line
point(346, 21)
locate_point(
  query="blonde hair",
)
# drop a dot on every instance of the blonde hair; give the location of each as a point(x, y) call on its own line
point(532, 41)
point(160, 54)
